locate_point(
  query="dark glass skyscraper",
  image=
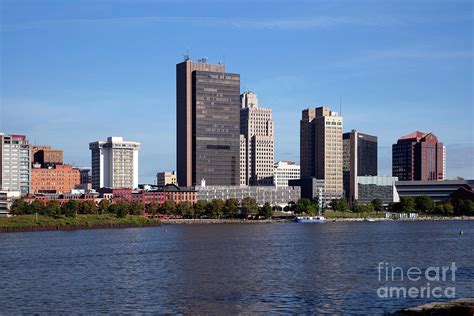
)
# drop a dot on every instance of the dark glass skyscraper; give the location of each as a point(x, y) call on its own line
point(359, 159)
point(418, 156)
point(208, 124)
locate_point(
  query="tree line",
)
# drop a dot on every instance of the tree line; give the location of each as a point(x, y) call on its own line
point(230, 208)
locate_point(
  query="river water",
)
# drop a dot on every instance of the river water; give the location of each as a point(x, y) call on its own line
point(231, 268)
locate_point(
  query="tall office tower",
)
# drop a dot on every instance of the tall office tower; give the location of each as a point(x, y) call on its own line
point(359, 159)
point(321, 148)
point(418, 156)
point(256, 125)
point(207, 126)
point(114, 163)
point(15, 163)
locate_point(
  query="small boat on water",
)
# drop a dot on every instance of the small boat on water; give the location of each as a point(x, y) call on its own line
point(309, 219)
point(370, 220)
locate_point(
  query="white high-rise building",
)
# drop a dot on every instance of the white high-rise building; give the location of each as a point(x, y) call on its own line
point(114, 163)
point(15, 163)
point(444, 163)
point(256, 127)
point(285, 171)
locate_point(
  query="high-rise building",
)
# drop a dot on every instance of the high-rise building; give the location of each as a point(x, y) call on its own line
point(15, 163)
point(418, 156)
point(321, 149)
point(57, 179)
point(284, 172)
point(207, 108)
point(46, 156)
point(444, 162)
point(165, 178)
point(256, 126)
point(359, 159)
point(114, 163)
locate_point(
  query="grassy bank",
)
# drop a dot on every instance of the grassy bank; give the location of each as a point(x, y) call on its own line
point(30, 223)
point(338, 214)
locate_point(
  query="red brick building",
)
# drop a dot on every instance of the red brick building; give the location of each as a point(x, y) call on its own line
point(57, 179)
point(418, 156)
point(158, 196)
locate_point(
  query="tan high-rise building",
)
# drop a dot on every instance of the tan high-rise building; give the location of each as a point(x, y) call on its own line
point(207, 124)
point(256, 127)
point(165, 178)
point(321, 149)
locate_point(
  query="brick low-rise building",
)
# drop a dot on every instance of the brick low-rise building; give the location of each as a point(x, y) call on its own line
point(57, 179)
point(159, 196)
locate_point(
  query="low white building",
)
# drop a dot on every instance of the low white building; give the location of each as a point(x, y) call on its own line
point(6, 200)
point(276, 196)
point(285, 171)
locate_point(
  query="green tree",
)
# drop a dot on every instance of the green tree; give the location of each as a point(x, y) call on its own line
point(135, 208)
point(200, 208)
point(169, 207)
point(215, 208)
point(423, 203)
point(87, 207)
point(407, 204)
point(340, 205)
point(249, 206)
point(103, 207)
point(377, 204)
point(265, 211)
point(185, 209)
point(151, 208)
point(70, 208)
point(52, 208)
point(231, 208)
point(19, 207)
point(464, 207)
point(302, 206)
point(120, 209)
point(37, 206)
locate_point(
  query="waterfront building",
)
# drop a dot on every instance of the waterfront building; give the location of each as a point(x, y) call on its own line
point(54, 179)
point(114, 163)
point(15, 163)
point(207, 126)
point(418, 157)
point(359, 159)
point(63, 198)
point(439, 191)
point(166, 177)
point(159, 195)
point(6, 200)
point(376, 187)
point(46, 156)
point(285, 171)
point(276, 196)
point(256, 126)
point(321, 149)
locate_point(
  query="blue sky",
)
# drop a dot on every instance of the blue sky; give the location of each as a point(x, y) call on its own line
point(73, 72)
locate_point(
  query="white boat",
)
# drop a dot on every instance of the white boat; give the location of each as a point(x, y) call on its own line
point(309, 219)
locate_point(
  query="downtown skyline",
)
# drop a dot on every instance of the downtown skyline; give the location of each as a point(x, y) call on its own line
point(90, 83)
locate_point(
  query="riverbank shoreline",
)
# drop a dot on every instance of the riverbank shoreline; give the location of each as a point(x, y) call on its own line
point(84, 222)
point(29, 223)
point(183, 221)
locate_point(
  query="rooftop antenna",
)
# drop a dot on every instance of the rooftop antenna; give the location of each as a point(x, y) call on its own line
point(186, 54)
point(340, 105)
